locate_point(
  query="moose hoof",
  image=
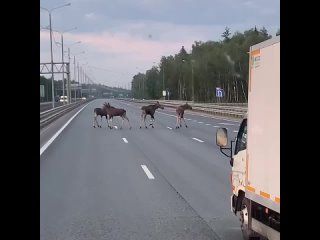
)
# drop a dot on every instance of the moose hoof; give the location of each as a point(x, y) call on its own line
point(186, 126)
point(100, 126)
point(152, 126)
point(94, 126)
point(130, 128)
point(146, 127)
point(140, 127)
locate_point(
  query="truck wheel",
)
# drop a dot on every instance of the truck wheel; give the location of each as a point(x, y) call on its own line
point(244, 219)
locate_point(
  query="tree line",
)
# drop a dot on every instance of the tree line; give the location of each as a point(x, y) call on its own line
point(210, 65)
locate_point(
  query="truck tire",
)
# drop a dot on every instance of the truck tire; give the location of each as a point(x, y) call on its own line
point(247, 233)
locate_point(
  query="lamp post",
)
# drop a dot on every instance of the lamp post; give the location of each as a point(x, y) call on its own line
point(62, 55)
point(69, 86)
point(74, 69)
point(52, 74)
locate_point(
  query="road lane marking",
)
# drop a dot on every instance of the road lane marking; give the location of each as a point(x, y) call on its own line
point(231, 124)
point(115, 127)
point(48, 143)
point(125, 140)
point(198, 140)
point(216, 126)
point(148, 173)
point(169, 128)
point(208, 124)
point(200, 122)
point(235, 131)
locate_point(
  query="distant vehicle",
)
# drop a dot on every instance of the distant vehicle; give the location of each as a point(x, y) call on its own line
point(63, 98)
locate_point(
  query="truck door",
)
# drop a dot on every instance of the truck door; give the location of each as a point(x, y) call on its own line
point(238, 162)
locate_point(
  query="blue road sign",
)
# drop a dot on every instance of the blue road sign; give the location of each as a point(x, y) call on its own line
point(219, 92)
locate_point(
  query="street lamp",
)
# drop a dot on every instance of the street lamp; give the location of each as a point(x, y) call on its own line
point(52, 74)
point(62, 54)
point(69, 86)
point(74, 69)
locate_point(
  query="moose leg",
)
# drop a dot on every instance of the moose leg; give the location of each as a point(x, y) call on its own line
point(107, 118)
point(141, 120)
point(94, 123)
point(177, 125)
point(144, 120)
point(128, 121)
point(122, 122)
point(185, 122)
point(101, 120)
point(110, 123)
point(151, 121)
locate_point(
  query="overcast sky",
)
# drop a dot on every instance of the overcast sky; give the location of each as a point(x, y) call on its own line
point(123, 37)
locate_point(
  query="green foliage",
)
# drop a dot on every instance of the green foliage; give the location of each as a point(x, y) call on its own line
point(223, 64)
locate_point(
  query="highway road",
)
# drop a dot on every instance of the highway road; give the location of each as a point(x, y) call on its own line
point(160, 183)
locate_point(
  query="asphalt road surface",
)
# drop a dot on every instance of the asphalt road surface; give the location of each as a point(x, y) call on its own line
point(155, 183)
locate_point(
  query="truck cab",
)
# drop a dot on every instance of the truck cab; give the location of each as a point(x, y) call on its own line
point(255, 158)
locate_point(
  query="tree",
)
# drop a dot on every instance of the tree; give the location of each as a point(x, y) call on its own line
point(226, 34)
point(222, 64)
point(264, 32)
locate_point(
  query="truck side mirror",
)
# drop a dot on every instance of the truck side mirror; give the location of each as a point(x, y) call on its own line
point(222, 137)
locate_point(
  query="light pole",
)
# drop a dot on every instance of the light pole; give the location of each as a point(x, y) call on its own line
point(62, 55)
point(52, 74)
point(83, 77)
point(74, 70)
point(69, 86)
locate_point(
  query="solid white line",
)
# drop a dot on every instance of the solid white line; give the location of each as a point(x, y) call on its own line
point(125, 140)
point(216, 126)
point(146, 170)
point(208, 124)
point(206, 116)
point(231, 124)
point(169, 128)
point(47, 144)
point(200, 122)
point(235, 131)
point(198, 140)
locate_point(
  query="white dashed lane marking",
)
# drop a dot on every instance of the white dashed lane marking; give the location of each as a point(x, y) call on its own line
point(198, 140)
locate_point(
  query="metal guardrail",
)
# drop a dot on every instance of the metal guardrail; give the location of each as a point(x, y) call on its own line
point(50, 115)
point(234, 111)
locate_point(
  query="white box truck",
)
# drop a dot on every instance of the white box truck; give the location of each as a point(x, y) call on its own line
point(255, 158)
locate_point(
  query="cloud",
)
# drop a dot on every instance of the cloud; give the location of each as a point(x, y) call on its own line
point(90, 16)
point(126, 34)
